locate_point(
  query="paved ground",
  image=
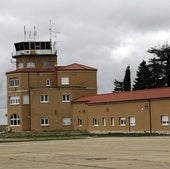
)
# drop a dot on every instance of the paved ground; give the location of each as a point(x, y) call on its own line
point(93, 153)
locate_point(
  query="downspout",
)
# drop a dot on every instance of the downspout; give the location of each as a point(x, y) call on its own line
point(150, 116)
point(29, 92)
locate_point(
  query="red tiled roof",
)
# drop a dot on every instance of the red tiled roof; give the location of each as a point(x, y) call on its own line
point(75, 66)
point(31, 70)
point(127, 96)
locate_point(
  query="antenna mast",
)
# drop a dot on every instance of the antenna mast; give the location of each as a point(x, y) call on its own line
point(53, 44)
point(30, 34)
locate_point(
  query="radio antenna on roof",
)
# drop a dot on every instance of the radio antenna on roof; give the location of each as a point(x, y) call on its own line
point(53, 44)
point(30, 34)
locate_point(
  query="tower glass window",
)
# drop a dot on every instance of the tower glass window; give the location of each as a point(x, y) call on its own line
point(30, 64)
point(14, 82)
point(48, 82)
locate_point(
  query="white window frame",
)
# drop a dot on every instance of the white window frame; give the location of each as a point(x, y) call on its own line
point(48, 82)
point(164, 120)
point(30, 64)
point(14, 82)
point(112, 121)
point(44, 122)
point(132, 121)
point(65, 98)
point(66, 121)
point(15, 120)
point(44, 98)
point(64, 80)
point(95, 122)
point(14, 100)
point(104, 121)
point(122, 121)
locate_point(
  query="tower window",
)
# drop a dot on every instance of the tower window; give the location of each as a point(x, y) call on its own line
point(44, 99)
point(14, 82)
point(20, 65)
point(65, 80)
point(48, 82)
point(30, 64)
point(66, 98)
point(14, 100)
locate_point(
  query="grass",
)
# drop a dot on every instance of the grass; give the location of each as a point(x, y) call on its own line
point(67, 135)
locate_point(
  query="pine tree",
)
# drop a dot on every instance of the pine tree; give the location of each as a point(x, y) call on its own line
point(124, 85)
point(162, 61)
point(127, 80)
point(118, 86)
point(143, 78)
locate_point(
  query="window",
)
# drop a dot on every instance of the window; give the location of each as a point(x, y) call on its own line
point(44, 98)
point(66, 98)
point(14, 82)
point(122, 121)
point(66, 121)
point(13, 100)
point(44, 122)
point(26, 99)
point(48, 82)
point(112, 121)
point(104, 121)
point(165, 120)
point(47, 64)
point(15, 120)
point(80, 122)
point(65, 81)
point(30, 64)
point(20, 65)
point(132, 121)
point(95, 122)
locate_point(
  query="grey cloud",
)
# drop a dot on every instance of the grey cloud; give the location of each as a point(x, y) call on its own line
point(91, 32)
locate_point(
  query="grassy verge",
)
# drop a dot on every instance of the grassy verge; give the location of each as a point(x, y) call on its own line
point(42, 136)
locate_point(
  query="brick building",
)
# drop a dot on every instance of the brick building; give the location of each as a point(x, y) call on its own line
point(43, 96)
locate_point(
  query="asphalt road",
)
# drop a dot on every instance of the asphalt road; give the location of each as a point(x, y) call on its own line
point(92, 153)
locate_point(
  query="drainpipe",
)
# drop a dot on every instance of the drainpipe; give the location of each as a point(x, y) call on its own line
point(150, 115)
point(129, 124)
point(29, 92)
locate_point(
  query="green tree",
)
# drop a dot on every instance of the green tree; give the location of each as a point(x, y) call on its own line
point(127, 80)
point(161, 62)
point(125, 85)
point(143, 78)
point(118, 86)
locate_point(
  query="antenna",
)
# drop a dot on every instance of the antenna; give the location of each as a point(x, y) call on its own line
point(30, 34)
point(53, 44)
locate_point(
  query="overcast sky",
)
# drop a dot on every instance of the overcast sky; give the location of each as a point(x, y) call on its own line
point(106, 34)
